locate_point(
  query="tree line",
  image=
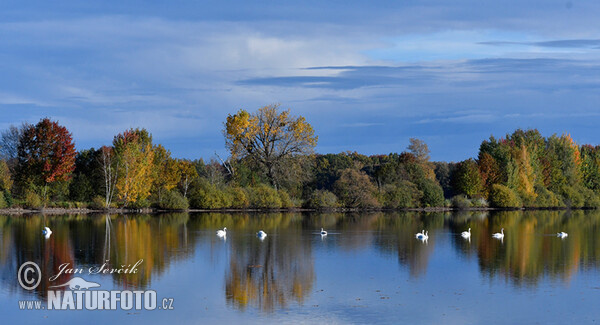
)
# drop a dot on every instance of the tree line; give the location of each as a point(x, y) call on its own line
point(272, 164)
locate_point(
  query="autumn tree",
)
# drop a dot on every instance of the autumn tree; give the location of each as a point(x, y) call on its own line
point(187, 173)
point(419, 148)
point(355, 189)
point(6, 181)
point(590, 167)
point(166, 172)
point(268, 137)
point(135, 155)
point(45, 154)
point(489, 171)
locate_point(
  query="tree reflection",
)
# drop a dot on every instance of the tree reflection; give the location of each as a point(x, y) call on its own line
point(268, 274)
point(91, 241)
point(531, 249)
point(397, 234)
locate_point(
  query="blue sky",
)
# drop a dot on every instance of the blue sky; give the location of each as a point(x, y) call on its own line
point(368, 75)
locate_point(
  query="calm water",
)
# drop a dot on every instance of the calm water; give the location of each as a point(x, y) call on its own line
point(369, 269)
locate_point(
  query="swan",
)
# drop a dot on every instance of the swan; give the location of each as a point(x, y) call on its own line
point(323, 232)
point(466, 234)
point(420, 234)
point(261, 234)
point(423, 236)
point(222, 233)
point(47, 232)
point(562, 234)
point(499, 234)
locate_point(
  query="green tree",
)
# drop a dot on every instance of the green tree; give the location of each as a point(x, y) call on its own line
point(466, 178)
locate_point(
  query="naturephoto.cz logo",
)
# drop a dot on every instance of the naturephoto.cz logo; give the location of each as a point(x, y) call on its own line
point(78, 293)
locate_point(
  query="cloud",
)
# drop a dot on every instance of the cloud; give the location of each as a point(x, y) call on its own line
point(569, 43)
point(358, 71)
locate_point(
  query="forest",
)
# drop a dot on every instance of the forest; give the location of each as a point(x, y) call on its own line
point(272, 165)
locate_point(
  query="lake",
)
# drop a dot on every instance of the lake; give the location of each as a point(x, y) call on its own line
point(370, 268)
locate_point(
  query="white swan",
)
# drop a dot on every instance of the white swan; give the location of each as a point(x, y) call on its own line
point(499, 235)
point(562, 234)
point(47, 232)
point(261, 234)
point(420, 234)
point(423, 236)
point(323, 232)
point(466, 234)
point(222, 233)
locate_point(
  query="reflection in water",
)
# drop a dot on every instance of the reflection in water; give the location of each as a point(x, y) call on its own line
point(92, 241)
point(269, 275)
point(268, 272)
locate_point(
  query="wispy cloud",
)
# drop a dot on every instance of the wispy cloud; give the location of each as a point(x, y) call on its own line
point(573, 43)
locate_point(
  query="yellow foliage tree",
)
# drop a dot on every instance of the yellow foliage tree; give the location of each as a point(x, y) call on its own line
point(135, 154)
point(166, 171)
point(268, 137)
point(187, 173)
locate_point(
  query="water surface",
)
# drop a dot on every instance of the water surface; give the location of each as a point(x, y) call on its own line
point(370, 268)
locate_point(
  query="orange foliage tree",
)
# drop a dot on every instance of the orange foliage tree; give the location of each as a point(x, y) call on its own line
point(45, 154)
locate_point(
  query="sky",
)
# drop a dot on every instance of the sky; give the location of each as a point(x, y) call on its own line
point(368, 75)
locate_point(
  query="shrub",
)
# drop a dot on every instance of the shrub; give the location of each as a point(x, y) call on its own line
point(264, 197)
point(591, 199)
point(546, 198)
point(207, 196)
point(479, 203)
point(239, 198)
point(173, 200)
point(32, 200)
point(461, 202)
point(433, 195)
point(140, 204)
point(8, 198)
point(321, 199)
point(403, 195)
point(284, 197)
point(572, 197)
point(503, 197)
point(98, 202)
point(3, 203)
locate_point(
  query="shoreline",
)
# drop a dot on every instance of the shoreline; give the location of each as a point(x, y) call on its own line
point(57, 211)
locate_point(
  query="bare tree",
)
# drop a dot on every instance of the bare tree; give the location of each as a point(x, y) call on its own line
point(227, 164)
point(9, 142)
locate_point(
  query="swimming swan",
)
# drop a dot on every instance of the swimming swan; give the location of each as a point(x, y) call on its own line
point(222, 233)
point(323, 232)
point(419, 234)
point(261, 234)
point(423, 236)
point(466, 234)
point(47, 232)
point(499, 234)
point(562, 234)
